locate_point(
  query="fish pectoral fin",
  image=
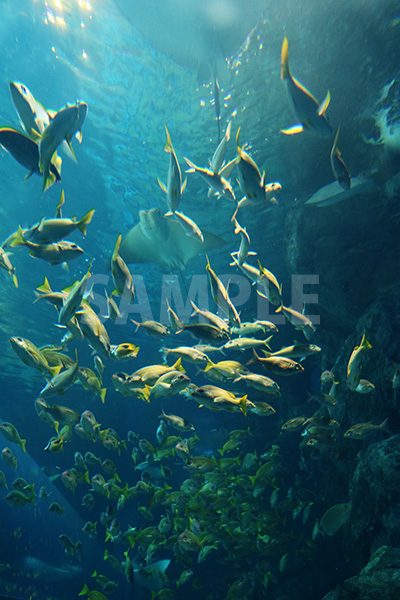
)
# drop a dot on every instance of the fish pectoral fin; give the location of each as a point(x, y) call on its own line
point(294, 130)
point(323, 107)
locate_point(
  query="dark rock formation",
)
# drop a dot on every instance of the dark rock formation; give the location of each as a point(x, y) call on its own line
point(379, 579)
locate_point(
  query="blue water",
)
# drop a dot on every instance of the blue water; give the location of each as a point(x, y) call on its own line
point(140, 68)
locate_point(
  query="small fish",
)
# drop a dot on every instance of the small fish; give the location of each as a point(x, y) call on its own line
point(175, 187)
point(61, 382)
point(244, 249)
point(113, 312)
point(262, 409)
point(56, 508)
point(73, 299)
point(278, 364)
point(90, 528)
point(300, 351)
point(259, 382)
point(121, 274)
point(26, 152)
point(189, 226)
point(93, 330)
point(18, 499)
point(174, 320)
point(33, 117)
point(151, 327)
point(92, 594)
point(271, 288)
point(361, 431)
point(204, 331)
point(32, 356)
point(5, 263)
point(88, 501)
point(254, 328)
point(355, 362)
point(242, 344)
point(3, 480)
point(298, 320)
point(211, 317)
point(251, 180)
point(215, 181)
point(365, 387)
point(225, 370)
point(72, 549)
point(310, 114)
point(220, 295)
point(55, 254)
point(10, 432)
point(91, 382)
point(338, 165)
point(187, 353)
point(49, 231)
point(169, 384)
point(334, 518)
point(294, 424)
point(63, 126)
point(176, 422)
point(218, 158)
point(125, 350)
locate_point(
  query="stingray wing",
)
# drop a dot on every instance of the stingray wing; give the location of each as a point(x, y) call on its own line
point(177, 250)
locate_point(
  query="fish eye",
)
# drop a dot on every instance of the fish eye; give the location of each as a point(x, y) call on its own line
point(23, 89)
point(125, 345)
point(74, 246)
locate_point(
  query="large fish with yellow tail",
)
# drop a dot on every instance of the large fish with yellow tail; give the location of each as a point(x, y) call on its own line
point(311, 115)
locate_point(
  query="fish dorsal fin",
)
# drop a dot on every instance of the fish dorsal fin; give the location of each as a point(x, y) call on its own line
point(323, 107)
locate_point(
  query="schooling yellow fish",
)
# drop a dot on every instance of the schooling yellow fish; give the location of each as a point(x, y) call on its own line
point(310, 114)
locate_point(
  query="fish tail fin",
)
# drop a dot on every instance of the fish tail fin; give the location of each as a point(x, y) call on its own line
point(285, 73)
point(168, 143)
point(103, 393)
point(55, 370)
point(84, 591)
point(117, 247)
point(15, 280)
point(178, 365)
point(23, 445)
point(267, 341)
point(146, 391)
point(19, 239)
point(45, 286)
point(243, 404)
point(365, 343)
point(208, 366)
point(84, 222)
point(48, 179)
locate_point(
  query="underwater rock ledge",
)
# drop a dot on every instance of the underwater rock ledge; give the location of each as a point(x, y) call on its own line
point(380, 578)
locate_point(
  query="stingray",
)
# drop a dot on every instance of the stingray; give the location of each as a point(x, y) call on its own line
point(161, 240)
point(196, 34)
